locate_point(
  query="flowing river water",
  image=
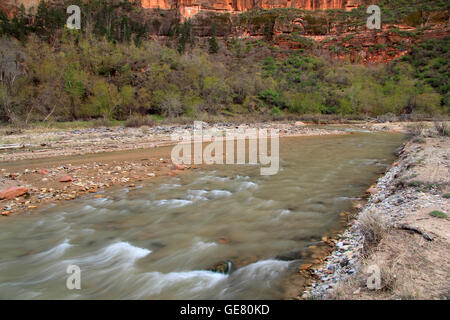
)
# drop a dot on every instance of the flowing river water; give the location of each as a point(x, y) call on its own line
point(158, 241)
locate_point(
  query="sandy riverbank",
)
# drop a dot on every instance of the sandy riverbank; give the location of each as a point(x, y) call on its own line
point(402, 231)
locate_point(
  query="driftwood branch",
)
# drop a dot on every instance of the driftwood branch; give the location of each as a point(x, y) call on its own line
point(15, 146)
point(408, 227)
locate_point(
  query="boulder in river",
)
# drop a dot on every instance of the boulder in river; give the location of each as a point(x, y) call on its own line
point(225, 267)
point(291, 255)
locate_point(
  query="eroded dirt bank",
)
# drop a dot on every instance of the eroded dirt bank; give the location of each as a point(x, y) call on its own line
point(403, 231)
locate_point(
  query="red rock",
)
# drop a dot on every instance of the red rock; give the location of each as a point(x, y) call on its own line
point(224, 240)
point(12, 192)
point(6, 213)
point(43, 171)
point(66, 179)
point(371, 190)
point(189, 8)
point(171, 174)
point(178, 167)
point(305, 266)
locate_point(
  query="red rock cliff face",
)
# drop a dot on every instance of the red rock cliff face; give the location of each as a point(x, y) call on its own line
point(189, 8)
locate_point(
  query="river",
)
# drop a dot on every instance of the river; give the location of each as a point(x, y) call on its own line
point(159, 240)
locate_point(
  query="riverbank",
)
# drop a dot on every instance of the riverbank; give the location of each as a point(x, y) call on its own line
point(41, 167)
point(402, 232)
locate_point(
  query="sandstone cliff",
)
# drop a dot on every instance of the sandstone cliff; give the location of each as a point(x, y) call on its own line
point(189, 8)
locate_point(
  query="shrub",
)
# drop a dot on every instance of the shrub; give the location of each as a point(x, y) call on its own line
point(442, 128)
point(101, 122)
point(136, 121)
point(416, 129)
point(373, 226)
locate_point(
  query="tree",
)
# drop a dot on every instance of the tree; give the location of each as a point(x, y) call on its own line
point(186, 36)
point(268, 30)
point(104, 100)
point(213, 46)
point(74, 87)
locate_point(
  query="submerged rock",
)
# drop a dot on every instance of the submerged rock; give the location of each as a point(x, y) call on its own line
point(291, 255)
point(225, 267)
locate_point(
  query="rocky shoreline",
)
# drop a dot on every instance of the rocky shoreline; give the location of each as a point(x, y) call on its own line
point(398, 202)
point(43, 143)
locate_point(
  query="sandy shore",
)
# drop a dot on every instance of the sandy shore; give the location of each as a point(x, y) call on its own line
point(402, 234)
point(54, 166)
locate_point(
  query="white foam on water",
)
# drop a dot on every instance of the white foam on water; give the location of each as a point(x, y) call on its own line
point(283, 212)
point(200, 245)
point(195, 195)
point(102, 200)
point(220, 193)
point(88, 208)
point(54, 252)
point(263, 269)
point(122, 253)
point(167, 186)
point(239, 177)
point(178, 285)
point(173, 203)
point(212, 178)
point(247, 185)
point(345, 198)
point(199, 284)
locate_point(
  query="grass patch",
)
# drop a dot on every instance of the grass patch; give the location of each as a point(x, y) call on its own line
point(446, 196)
point(415, 184)
point(438, 214)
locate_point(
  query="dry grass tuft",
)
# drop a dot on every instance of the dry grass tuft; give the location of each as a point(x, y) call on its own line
point(406, 267)
point(373, 226)
point(417, 129)
point(442, 128)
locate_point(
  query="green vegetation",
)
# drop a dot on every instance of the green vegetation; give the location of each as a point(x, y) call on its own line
point(438, 214)
point(415, 184)
point(111, 72)
point(213, 46)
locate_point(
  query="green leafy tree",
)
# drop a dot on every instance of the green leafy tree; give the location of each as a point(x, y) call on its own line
point(74, 87)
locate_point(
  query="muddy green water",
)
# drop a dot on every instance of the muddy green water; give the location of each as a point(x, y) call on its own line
point(157, 242)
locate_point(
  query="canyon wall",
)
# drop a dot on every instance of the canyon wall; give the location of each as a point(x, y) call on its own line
point(189, 8)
